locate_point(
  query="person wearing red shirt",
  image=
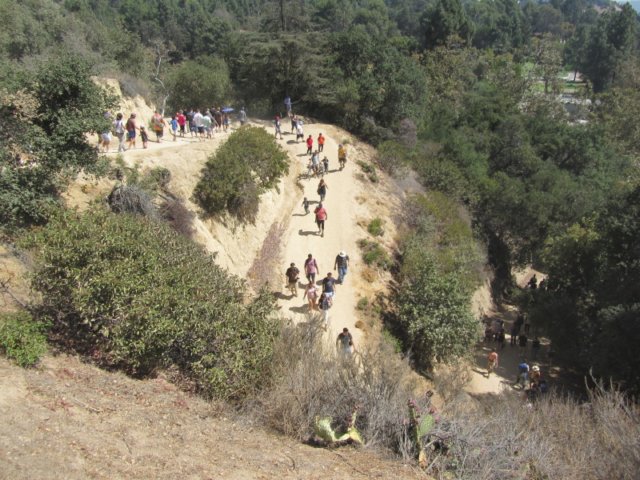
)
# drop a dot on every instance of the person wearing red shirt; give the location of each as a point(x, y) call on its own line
point(309, 145)
point(321, 216)
point(182, 121)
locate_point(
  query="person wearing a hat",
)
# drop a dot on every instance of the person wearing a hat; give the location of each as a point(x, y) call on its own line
point(534, 378)
point(341, 264)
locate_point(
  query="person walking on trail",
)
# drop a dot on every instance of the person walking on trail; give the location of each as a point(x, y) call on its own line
point(120, 130)
point(288, 103)
point(341, 264)
point(131, 128)
point(278, 125)
point(344, 343)
point(342, 156)
point(501, 338)
point(293, 274)
point(309, 145)
point(305, 205)
point(325, 164)
point(157, 125)
point(329, 286)
point(315, 163)
point(182, 122)
point(198, 123)
point(522, 341)
point(311, 268)
point(242, 116)
point(492, 362)
point(324, 304)
point(299, 130)
point(174, 127)
point(523, 373)
point(320, 142)
point(321, 217)
point(311, 293)
point(322, 189)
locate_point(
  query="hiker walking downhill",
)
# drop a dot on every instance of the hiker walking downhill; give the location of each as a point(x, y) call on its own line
point(311, 268)
point(131, 128)
point(320, 142)
point(292, 274)
point(309, 145)
point(341, 264)
point(322, 189)
point(329, 286)
point(342, 156)
point(321, 217)
point(344, 343)
point(523, 373)
point(324, 304)
point(311, 293)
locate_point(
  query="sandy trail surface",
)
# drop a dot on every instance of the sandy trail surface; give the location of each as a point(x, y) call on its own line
point(341, 234)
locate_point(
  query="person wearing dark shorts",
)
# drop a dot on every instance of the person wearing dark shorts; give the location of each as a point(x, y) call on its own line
point(321, 216)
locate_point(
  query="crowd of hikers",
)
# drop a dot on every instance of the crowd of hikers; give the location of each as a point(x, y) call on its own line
point(529, 377)
point(319, 294)
point(193, 123)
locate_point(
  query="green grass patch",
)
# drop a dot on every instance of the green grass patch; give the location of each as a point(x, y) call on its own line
point(376, 227)
point(374, 254)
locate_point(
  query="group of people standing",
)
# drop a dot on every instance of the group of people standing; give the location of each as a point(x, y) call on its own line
point(196, 123)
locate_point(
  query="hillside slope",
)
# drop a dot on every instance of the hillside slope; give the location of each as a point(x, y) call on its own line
point(71, 420)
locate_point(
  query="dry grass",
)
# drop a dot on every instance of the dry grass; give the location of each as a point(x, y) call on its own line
point(266, 262)
point(312, 380)
point(556, 437)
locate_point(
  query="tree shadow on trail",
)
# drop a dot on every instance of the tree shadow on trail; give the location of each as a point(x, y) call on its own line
point(282, 296)
point(303, 309)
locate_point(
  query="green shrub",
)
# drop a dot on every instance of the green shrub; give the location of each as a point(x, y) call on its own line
point(139, 296)
point(375, 227)
point(22, 339)
point(374, 254)
point(369, 170)
point(234, 177)
point(363, 303)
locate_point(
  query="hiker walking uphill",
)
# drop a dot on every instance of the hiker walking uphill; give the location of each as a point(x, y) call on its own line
point(341, 264)
point(292, 274)
point(320, 142)
point(329, 286)
point(321, 217)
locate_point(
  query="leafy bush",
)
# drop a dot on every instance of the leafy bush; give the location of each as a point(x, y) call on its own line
point(246, 165)
point(375, 227)
point(22, 339)
point(135, 294)
point(439, 270)
point(374, 254)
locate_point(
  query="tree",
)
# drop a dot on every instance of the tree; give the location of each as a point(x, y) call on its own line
point(43, 142)
point(590, 307)
point(547, 57)
point(198, 83)
point(443, 20)
point(612, 41)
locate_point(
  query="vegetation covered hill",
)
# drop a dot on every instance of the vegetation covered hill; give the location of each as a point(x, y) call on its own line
point(516, 164)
